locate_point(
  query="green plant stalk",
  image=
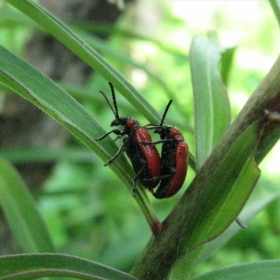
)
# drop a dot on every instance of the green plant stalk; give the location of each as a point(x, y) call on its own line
point(163, 249)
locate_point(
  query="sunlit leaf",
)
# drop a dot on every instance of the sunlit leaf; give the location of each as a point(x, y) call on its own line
point(212, 107)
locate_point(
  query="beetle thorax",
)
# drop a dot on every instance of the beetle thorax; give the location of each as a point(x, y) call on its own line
point(176, 134)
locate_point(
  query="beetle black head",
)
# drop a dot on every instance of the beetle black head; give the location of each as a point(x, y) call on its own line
point(119, 121)
point(127, 122)
point(163, 130)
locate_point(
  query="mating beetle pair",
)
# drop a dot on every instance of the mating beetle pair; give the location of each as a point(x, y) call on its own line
point(170, 169)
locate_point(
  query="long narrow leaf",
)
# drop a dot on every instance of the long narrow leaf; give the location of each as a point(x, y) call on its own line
point(252, 134)
point(33, 266)
point(246, 215)
point(250, 271)
point(43, 154)
point(221, 200)
point(69, 38)
point(57, 103)
point(212, 107)
point(21, 213)
point(13, 18)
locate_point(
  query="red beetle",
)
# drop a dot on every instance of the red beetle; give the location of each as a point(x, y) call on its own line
point(144, 159)
point(174, 158)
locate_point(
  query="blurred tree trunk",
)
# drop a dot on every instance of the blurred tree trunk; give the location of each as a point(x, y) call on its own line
point(21, 123)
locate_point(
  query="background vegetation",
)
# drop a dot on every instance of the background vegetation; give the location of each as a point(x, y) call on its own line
point(87, 211)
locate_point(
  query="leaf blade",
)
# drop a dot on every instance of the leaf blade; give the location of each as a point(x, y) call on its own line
point(57, 103)
point(247, 213)
point(249, 271)
point(220, 200)
point(212, 107)
point(31, 266)
point(21, 212)
point(70, 39)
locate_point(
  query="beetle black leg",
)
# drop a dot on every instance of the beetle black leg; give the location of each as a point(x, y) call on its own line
point(147, 143)
point(115, 131)
point(159, 177)
point(121, 150)
point(118, 137)
point(134, 188)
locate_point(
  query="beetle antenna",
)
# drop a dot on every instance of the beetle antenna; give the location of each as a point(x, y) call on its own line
point(114, 101)
point(108, 102)
point(165, 112)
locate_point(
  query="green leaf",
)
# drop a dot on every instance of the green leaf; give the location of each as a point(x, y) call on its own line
point(275, 5)
point(212, 107)
point(211, 203)
point(33, 266)
point(246, 215)
point(43, 154)
point(21, 213)
point(220, 199)
point(69, 38)
point(13, 18)
point(226, 63)
point(65, 35)
point(57, 103)
point(263, 270)
point(107, 49)
point(184, 233)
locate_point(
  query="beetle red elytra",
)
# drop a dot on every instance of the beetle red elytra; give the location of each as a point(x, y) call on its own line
point(174, 158)
point(144, 158)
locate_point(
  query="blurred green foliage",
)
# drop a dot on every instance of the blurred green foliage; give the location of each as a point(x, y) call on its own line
point(87, 210)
